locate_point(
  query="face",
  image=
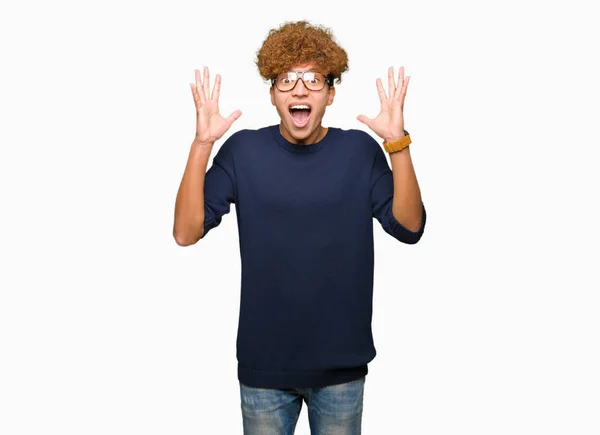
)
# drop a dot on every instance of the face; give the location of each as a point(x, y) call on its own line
point(296, 127)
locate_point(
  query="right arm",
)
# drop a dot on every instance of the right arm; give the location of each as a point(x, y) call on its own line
point(188, 225)
point(189, 205)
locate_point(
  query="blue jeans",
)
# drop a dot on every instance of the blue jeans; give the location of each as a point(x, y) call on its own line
point(332, 410)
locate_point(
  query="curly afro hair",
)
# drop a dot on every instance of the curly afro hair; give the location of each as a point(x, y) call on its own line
point(300, 42)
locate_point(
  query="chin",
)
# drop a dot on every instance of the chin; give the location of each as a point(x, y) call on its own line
point(302, 134)
point(295, 131)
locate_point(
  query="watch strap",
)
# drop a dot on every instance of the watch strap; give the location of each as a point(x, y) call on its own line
point(398, 145)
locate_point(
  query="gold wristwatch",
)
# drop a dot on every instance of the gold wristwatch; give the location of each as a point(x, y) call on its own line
point(398, 145)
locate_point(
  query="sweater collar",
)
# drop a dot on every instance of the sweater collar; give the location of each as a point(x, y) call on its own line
point(296, 148)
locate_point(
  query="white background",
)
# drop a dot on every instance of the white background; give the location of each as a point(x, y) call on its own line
point(489, 325)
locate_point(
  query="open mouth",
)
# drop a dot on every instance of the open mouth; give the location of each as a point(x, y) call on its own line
point(300, 114)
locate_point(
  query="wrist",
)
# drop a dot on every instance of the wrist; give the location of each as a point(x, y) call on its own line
point(394, 138)
point(202, 144)
point(397, 145)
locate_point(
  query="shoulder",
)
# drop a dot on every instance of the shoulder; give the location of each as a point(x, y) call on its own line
point(241, 145)
point(236, 140)
point(357, 135)
point(245, 136)
point(358, 138)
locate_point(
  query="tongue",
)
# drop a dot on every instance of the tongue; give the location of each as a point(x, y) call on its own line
point(300, 115)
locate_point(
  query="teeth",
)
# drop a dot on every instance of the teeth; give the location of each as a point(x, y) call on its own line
point(300, 106)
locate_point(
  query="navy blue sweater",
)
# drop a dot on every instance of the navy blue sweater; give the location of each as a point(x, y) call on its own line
point(305, 225)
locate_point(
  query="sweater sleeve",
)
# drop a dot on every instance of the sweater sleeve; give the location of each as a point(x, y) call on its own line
point(382, 195)
point(219, 186)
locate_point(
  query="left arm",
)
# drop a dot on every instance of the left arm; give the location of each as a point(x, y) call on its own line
point(407, 206)
point(407, 203)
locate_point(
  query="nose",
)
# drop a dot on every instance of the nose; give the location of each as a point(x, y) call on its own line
point(300, 89)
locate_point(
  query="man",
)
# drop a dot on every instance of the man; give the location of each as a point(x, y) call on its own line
point(305, 199)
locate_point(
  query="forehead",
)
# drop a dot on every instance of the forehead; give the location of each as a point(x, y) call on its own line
point(303, 67)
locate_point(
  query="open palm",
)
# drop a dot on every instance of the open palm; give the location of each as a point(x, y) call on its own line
point(389, 123)
point(210, 125)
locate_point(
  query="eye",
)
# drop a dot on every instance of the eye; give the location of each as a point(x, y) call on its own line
point(287, 78)
point(310, 77)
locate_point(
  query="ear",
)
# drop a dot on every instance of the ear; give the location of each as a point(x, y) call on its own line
point(272, 92)
point(331, 95)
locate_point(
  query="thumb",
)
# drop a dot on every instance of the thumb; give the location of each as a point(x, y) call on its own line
point(234, 115)
point(364, 120)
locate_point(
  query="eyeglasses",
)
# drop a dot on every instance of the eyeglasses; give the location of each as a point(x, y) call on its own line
point(314, 81)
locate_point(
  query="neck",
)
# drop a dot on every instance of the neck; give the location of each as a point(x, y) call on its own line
point(314, 137)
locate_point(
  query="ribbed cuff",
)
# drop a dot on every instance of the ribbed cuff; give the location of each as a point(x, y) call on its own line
point(404, 234)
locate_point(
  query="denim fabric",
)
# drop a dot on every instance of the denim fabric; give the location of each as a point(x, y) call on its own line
point(332, 410)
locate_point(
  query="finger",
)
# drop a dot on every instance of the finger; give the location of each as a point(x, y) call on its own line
point(206, 83)
point(216, 88)
point(199, 87)
point(400, 88)
point(195, 95)
point(197, 76)
point(404, 90)
point(391, 83)
point(234, 115)
point(381, 91)
point(364, 120)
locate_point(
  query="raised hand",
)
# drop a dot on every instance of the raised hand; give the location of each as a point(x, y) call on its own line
point(389, 123)
point(210, 125)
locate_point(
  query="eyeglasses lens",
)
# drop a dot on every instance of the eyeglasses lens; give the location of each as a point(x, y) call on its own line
point(314, 81)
